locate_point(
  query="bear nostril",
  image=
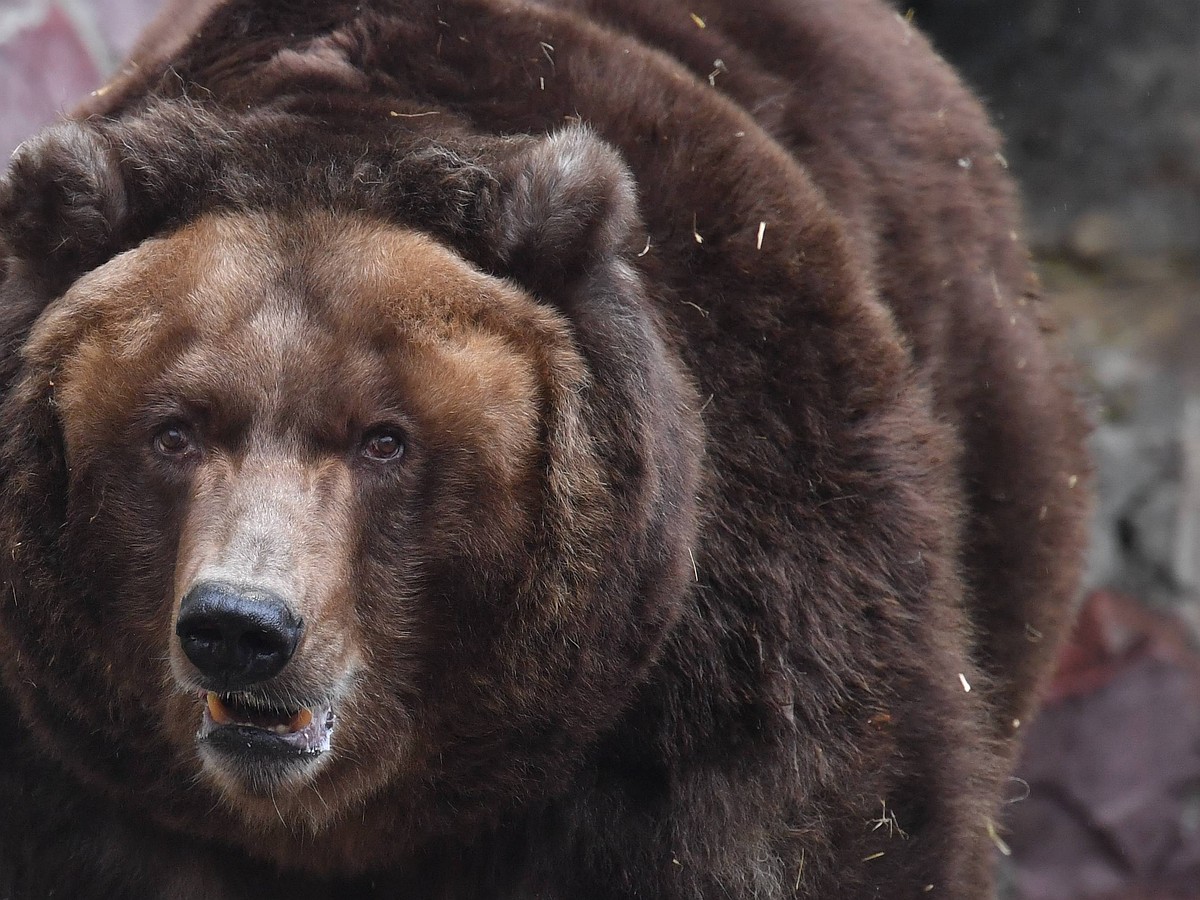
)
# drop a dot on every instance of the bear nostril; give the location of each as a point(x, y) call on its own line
point(236, 637)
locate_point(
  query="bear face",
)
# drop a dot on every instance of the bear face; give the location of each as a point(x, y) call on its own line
point(290, 410)
point(321, 470)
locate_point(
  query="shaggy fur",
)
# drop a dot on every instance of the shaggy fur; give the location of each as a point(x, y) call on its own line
point(741, 502)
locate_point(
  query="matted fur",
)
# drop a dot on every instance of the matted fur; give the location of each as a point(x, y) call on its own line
point(738, 455)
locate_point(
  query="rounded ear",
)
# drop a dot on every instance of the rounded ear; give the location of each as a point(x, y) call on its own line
point(567, 202)
point(63, 203)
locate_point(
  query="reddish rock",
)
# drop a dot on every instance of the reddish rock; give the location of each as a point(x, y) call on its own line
point(44, 70)
point(122, 21)
point(1113, 765)
point(1114, 632)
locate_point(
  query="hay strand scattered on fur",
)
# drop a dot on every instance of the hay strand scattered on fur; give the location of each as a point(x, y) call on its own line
point(1024, 796)
point(887, 819)
point(997, 840)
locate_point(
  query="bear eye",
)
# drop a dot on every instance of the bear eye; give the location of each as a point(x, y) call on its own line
point(173, 440)
point(383, 445)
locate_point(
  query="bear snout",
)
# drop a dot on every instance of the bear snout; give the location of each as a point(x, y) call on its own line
point(236, 636)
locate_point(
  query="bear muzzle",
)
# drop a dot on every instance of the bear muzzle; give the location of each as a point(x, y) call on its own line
point(239, 638)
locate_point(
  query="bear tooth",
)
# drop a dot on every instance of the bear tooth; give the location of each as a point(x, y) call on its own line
point(300, 720)
point(217, 710)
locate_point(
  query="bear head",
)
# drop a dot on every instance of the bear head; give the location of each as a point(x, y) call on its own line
point(367, 515)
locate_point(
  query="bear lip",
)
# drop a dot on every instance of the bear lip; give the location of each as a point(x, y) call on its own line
point(246, 721)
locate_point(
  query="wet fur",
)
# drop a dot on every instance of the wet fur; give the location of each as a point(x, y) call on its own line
point(709, 637)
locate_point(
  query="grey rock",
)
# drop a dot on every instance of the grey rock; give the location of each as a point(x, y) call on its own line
point(1100, 101)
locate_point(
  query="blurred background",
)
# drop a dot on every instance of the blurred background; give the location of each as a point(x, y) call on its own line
point(1099, 101)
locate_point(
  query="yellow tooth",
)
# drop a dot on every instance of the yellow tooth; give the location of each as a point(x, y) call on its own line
point(217, 710)
point(302, 719)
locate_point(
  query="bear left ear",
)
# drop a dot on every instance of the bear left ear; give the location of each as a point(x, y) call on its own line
point(566, 202)
point(63, 203)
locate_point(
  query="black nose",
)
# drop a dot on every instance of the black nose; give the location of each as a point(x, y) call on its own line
point(235, 636)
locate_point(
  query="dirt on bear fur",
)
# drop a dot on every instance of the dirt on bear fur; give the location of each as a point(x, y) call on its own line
point(475, 449)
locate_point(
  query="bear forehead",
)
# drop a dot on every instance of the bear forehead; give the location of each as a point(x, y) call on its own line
point(308, 304)
point(225, 271)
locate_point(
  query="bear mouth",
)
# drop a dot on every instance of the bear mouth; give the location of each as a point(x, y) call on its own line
point(242, 725)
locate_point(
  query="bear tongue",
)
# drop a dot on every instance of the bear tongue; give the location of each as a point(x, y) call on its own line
point(230, 712)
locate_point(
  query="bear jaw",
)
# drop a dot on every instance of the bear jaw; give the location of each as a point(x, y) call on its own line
point(242, 744)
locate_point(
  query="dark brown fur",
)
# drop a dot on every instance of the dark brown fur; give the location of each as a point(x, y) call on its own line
point(737, 454)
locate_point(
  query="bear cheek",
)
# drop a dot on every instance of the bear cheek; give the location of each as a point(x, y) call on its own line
point(90, 406)
point(102, 343)
point(478, 400)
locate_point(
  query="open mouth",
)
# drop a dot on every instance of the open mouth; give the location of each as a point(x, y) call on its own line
point(245, 726)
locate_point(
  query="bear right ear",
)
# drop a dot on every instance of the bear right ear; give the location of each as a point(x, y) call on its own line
point(63, 203)
point(567, 201)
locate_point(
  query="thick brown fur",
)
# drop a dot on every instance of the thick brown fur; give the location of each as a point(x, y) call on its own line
point(741, 505)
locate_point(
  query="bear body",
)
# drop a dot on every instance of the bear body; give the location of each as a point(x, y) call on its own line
point(562, 450)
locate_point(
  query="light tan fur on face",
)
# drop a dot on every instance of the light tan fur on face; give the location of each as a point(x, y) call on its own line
point(296, 334)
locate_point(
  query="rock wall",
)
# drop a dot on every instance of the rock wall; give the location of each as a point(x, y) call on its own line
point(1100, 100)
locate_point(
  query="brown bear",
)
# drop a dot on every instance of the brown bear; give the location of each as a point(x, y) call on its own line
point(490, 449)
